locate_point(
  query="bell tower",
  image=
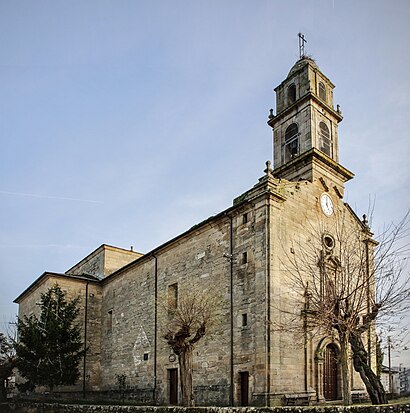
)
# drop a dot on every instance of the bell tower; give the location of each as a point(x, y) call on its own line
point(305, 128)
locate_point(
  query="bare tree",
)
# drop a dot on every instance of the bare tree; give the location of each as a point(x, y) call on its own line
point(349, 280)
point(189, 320)
point(7, 362)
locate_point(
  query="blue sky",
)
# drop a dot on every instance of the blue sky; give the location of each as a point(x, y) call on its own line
point(126, 122)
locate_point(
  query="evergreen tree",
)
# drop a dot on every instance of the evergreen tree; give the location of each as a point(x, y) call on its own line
point(49, 347)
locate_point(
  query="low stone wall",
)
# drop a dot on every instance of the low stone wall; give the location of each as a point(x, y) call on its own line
point(71, 408)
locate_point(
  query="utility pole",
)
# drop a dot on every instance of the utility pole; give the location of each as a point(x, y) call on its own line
point(389, 357)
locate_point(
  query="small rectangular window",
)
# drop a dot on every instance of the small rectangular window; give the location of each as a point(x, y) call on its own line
point(145, 356)
point(109, 321)
point(244, 320)
point(244, 257)
point(173, 297)
point(245, 218)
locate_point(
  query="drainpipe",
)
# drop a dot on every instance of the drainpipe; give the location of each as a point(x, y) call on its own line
point(231, 387)
point(155, 326)
point(85, 338)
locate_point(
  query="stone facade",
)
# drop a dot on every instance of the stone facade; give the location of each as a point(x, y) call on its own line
point(258, 352)
point(104, 261)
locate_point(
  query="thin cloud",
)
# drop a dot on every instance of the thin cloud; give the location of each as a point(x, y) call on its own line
point(50, 197)
point(44, 246)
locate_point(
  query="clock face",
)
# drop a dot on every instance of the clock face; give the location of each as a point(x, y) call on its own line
point(327, 204)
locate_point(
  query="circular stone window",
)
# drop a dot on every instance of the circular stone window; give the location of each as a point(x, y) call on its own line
point(328, 241)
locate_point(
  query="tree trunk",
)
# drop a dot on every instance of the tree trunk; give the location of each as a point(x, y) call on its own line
point(371, 381)
point(344, 362)
point(185, 366)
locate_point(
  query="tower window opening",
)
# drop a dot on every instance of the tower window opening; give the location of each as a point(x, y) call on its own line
point(322, 91)
point(291, 93)
point(244, 257)
point(325, 141)
point(291, 148)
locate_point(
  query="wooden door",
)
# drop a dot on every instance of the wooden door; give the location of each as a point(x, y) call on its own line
point(244, 387)
point(173, 386)
point(330, 373)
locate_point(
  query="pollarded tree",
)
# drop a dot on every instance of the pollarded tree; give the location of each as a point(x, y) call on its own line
point(190, 318)
point(348, 281)
point(49, 347)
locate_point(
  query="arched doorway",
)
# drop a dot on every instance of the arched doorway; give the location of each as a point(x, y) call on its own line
point(330, 373)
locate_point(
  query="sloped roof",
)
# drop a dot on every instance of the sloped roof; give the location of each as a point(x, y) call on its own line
point(45, 275)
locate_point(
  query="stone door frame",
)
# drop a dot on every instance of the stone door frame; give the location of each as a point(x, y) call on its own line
point(319, 367)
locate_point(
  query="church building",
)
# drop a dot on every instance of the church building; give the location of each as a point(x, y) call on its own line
point(260, 353)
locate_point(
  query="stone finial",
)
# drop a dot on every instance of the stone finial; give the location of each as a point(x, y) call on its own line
point(271, 115)
point(365, 222)
point(338, 110)
point(268, 169)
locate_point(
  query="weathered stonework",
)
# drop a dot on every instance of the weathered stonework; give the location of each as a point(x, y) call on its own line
point(65, 408)
point(241, 255)
point(104, 261)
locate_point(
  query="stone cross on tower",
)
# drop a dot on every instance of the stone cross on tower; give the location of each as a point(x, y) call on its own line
point(302, 42)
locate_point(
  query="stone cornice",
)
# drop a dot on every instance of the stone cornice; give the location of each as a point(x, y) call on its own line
point(315, 156)
point(295, 106)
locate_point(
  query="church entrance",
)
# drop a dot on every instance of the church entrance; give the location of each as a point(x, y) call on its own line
point(330, 376)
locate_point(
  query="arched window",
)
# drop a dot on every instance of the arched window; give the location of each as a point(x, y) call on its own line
point(325, 141)
point(291, 93)
point(291, 142)
point(322, 91)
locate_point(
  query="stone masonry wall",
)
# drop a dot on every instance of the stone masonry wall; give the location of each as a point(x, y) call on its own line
point(201, 262)
point(65, 408)
point(116, 258)
point(93, 264)
point(296, 232)
point(104, 261)
point(193, 262)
